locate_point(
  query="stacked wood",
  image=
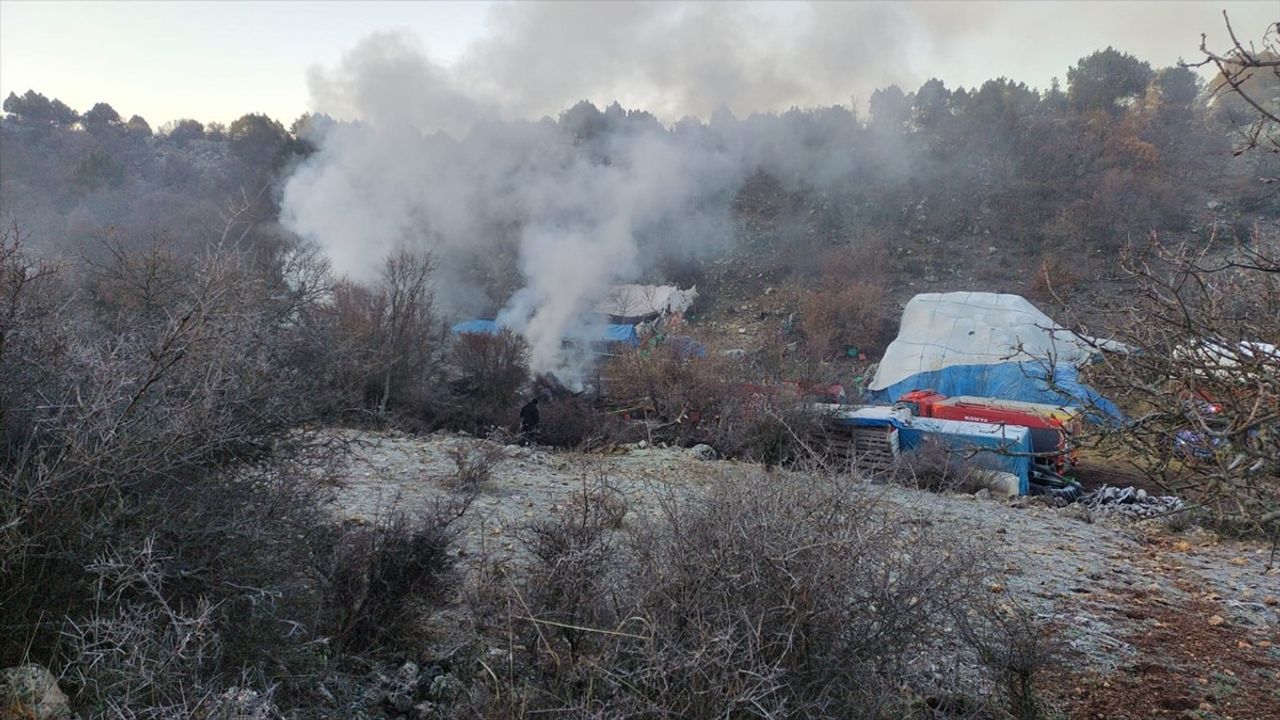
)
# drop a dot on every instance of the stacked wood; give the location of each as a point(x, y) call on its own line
point(868, 448)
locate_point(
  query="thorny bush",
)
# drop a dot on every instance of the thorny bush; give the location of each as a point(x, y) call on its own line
point(378, 576)
point(677, 394)
point(844, 314)
point(755, 598)
point(162, 528)
point(935, 467)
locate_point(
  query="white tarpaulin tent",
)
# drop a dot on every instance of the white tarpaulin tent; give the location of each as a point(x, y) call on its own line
point(644, 301)
point(989, 345)
point(940, 330)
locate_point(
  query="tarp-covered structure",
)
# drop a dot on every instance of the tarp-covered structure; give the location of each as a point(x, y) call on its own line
point(604, 334)
point(630, 304)
point(990, 345)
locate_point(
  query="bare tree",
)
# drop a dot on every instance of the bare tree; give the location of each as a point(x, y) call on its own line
point(1252, 75)
point(1201, 376)
point(389, 329)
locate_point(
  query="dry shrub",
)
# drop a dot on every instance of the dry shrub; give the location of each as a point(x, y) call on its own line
point(564, 592)
point(175, 429)
point(677, 392)
point(840, 315)
point(153, 660)
point(936, 467)
point(386, 337)
point(597, 502)
point(491, 371)
point(690, 399)
point(864, 260)
point(755, 598)
point(378, 577)
point(165, 537)
point(473, 462)
point(778, 429)
point(578, 424)
point(1017, 646)
point(1055, 279)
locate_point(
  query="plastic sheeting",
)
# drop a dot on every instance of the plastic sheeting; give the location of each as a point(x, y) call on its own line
point(1026, 381)
point(1006, 448)
point(989, 345)
point(609, 334)
point(598, 334)
point(477, 327)
point(645, 301)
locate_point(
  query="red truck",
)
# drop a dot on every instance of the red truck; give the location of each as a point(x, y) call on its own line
point(1051, 426)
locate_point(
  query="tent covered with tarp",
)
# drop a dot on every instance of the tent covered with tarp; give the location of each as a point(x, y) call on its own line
point(638, 303)
point(989, 345)
point(607, 334)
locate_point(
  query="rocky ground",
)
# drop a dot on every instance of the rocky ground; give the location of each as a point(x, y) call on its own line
point(1155, 623)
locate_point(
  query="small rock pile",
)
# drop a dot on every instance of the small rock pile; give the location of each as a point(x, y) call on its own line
point(1131, 502)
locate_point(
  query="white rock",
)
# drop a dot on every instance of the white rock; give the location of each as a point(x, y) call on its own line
point(702, 452)
point(30, 691)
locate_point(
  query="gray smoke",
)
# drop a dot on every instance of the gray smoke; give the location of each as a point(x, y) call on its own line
point(443, 159)
point(450, 159)
point(677, 59)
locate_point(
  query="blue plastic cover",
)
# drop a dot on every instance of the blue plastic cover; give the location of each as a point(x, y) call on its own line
point(1025, 381)
point(477, 327)
point(598, 334)
point(610, 334)
point(999, 447)
point(687, 347)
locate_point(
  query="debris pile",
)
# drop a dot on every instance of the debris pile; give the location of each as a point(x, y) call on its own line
point(1131, 501)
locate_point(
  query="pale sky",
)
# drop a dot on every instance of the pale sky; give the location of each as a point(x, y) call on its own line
point(219, 60)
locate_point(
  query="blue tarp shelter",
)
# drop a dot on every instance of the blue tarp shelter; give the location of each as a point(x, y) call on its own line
point(477, 327)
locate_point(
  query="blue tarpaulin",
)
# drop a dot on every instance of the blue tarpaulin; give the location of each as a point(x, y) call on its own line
point(1026, 381)
point(477, 327)
point(608, 335)
point(1006, 448)
point(596, 334)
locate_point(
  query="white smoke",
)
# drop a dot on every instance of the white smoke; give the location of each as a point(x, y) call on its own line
point(427, 157)
point(576, 207)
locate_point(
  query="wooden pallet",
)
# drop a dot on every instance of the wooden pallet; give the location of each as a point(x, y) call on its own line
point(870, 449)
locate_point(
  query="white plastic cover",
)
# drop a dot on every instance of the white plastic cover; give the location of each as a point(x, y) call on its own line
point(941, 330)
point(641, 300)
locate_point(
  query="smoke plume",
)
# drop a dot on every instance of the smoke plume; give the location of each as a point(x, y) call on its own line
point(445, 159)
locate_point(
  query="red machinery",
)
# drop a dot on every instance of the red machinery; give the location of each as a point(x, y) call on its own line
point(1051, 426)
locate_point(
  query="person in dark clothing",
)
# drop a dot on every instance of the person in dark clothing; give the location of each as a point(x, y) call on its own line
point(529, 422)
